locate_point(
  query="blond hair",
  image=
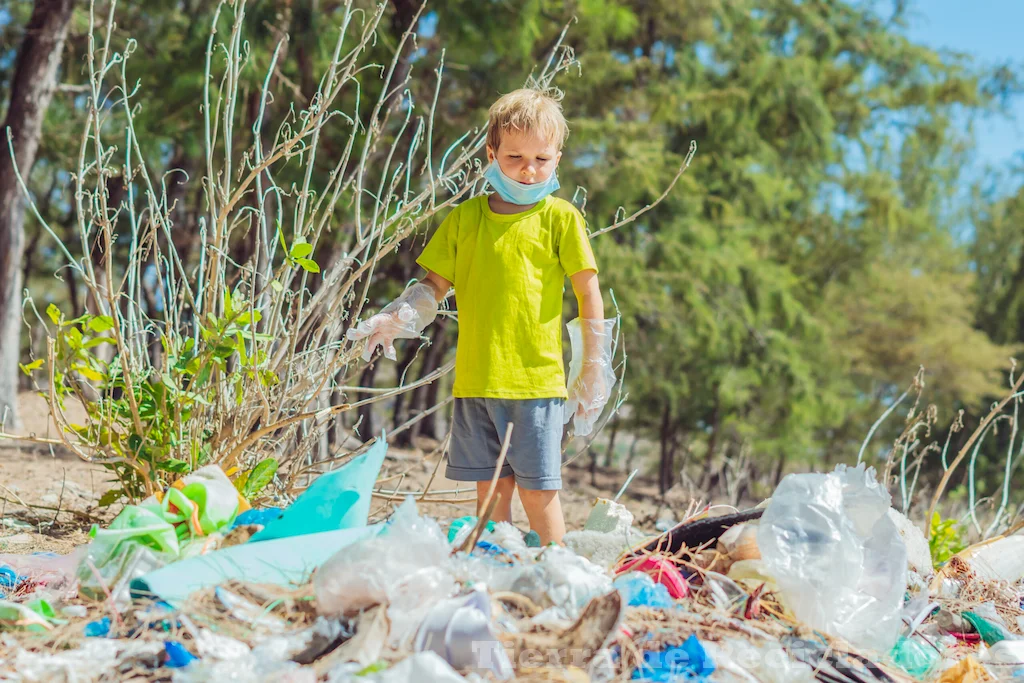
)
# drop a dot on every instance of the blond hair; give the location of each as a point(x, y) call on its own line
point(528, 110)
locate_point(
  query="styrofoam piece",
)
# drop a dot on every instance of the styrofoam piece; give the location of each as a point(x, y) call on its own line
point(608, 517)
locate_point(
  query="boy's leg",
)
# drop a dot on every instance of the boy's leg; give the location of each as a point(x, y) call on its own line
point(544, 509)
point(505, 488)
point(475, 445)
point(535, 454)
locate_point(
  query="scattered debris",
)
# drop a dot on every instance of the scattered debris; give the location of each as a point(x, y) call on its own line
point(812, 586)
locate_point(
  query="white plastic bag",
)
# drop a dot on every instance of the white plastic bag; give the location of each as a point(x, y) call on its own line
point(836, 555)
point(406, 567)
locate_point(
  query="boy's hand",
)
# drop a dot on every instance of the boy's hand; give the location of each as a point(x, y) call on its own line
point(588, 397)
point(404, 318)
point(591, 376)
point(381, 330)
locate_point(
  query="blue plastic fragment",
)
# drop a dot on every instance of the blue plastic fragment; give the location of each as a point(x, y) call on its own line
point(639, 590)
point(98, 629)
point(177, 655)
point(335, 500)
point(686, 662)
point(532, 539)
point(262, 517)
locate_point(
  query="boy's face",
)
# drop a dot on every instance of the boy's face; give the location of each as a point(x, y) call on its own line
point(525, 157)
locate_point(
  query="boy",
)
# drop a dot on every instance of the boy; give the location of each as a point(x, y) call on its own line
point(507, 254)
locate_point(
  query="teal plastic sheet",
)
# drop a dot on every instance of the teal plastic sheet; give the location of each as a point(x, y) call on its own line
point(335, 500)
point(284, 562)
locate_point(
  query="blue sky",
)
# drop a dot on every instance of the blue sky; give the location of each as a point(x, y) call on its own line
point(991, 32)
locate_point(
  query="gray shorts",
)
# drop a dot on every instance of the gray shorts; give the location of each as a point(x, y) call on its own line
point(535, 450)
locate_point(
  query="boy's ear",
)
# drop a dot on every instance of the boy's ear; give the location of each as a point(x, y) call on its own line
point(558, 157)
point(490, 153)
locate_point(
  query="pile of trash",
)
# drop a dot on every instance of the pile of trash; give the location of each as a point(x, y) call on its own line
point(822, 582)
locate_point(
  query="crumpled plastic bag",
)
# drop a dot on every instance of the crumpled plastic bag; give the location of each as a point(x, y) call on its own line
point(460, 631)
point(561, 579)
point(836, 556)
point(405, 566)
point(95, 659)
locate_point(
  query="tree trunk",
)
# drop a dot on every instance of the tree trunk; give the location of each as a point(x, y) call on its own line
point(32, 86)
point(666, 470)
point(367, 423)
point(609, 454)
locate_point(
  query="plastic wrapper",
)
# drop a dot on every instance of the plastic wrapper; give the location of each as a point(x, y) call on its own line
point(106, 573)
point(405, 566)
point(51, 573)
point(422, 666)
point(404, 318)
point(914, 656)
point(591, 373)
point(738, 660)
point(94, 660)
point(836, 556)
point(459, 630)
point(561, 579)
point(639, 590)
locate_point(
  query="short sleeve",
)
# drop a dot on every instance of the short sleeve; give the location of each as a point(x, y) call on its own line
point(439, 254)
point(574, 252)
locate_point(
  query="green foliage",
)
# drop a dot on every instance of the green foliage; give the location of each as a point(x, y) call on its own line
point(946, 539)
point(138, 427)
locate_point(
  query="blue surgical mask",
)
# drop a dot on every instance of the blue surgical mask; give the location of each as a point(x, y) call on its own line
point(519, 193)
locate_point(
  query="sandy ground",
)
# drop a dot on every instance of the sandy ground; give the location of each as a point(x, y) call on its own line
point(48, 497)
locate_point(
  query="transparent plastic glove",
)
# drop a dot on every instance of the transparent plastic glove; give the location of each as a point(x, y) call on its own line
point(404, 318)
point(591, 375)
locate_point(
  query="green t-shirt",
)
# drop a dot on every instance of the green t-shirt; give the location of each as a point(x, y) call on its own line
point(509, 275)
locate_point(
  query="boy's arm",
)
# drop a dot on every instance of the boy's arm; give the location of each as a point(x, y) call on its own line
point(591, 381)
point(404, 318)
point(588, 294)
point(440, 285)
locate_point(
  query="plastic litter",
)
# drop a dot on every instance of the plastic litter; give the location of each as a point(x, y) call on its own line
point(838, 559)
point(589, 391)
point(422, 666)
point(201, 503)
point(1005, 659)
point(459, 630)
point(462, 522)
point(991, 632)
point(561, 579)
point(639, 590)
point(914, 656)
point(532, 539)
point(249, 612)
point(688, 662)
point(661, 570)
point(177, 655)
point(260, 517)
point(603, 549)
point(741, 661)
point(967, 670)
point(336, 500)
point(282, 562)
point(34, 616)
point(98, 629)
point(107, 572)
point(249, 669)
point(405, 566)
point(95, 659)
point(609, 517)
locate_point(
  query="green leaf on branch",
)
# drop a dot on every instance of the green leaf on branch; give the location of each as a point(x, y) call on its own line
point(34, 365)
point(260, 476)
point(308, 265)
point(54, 313)
point(301, 249)
point(101, 323)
